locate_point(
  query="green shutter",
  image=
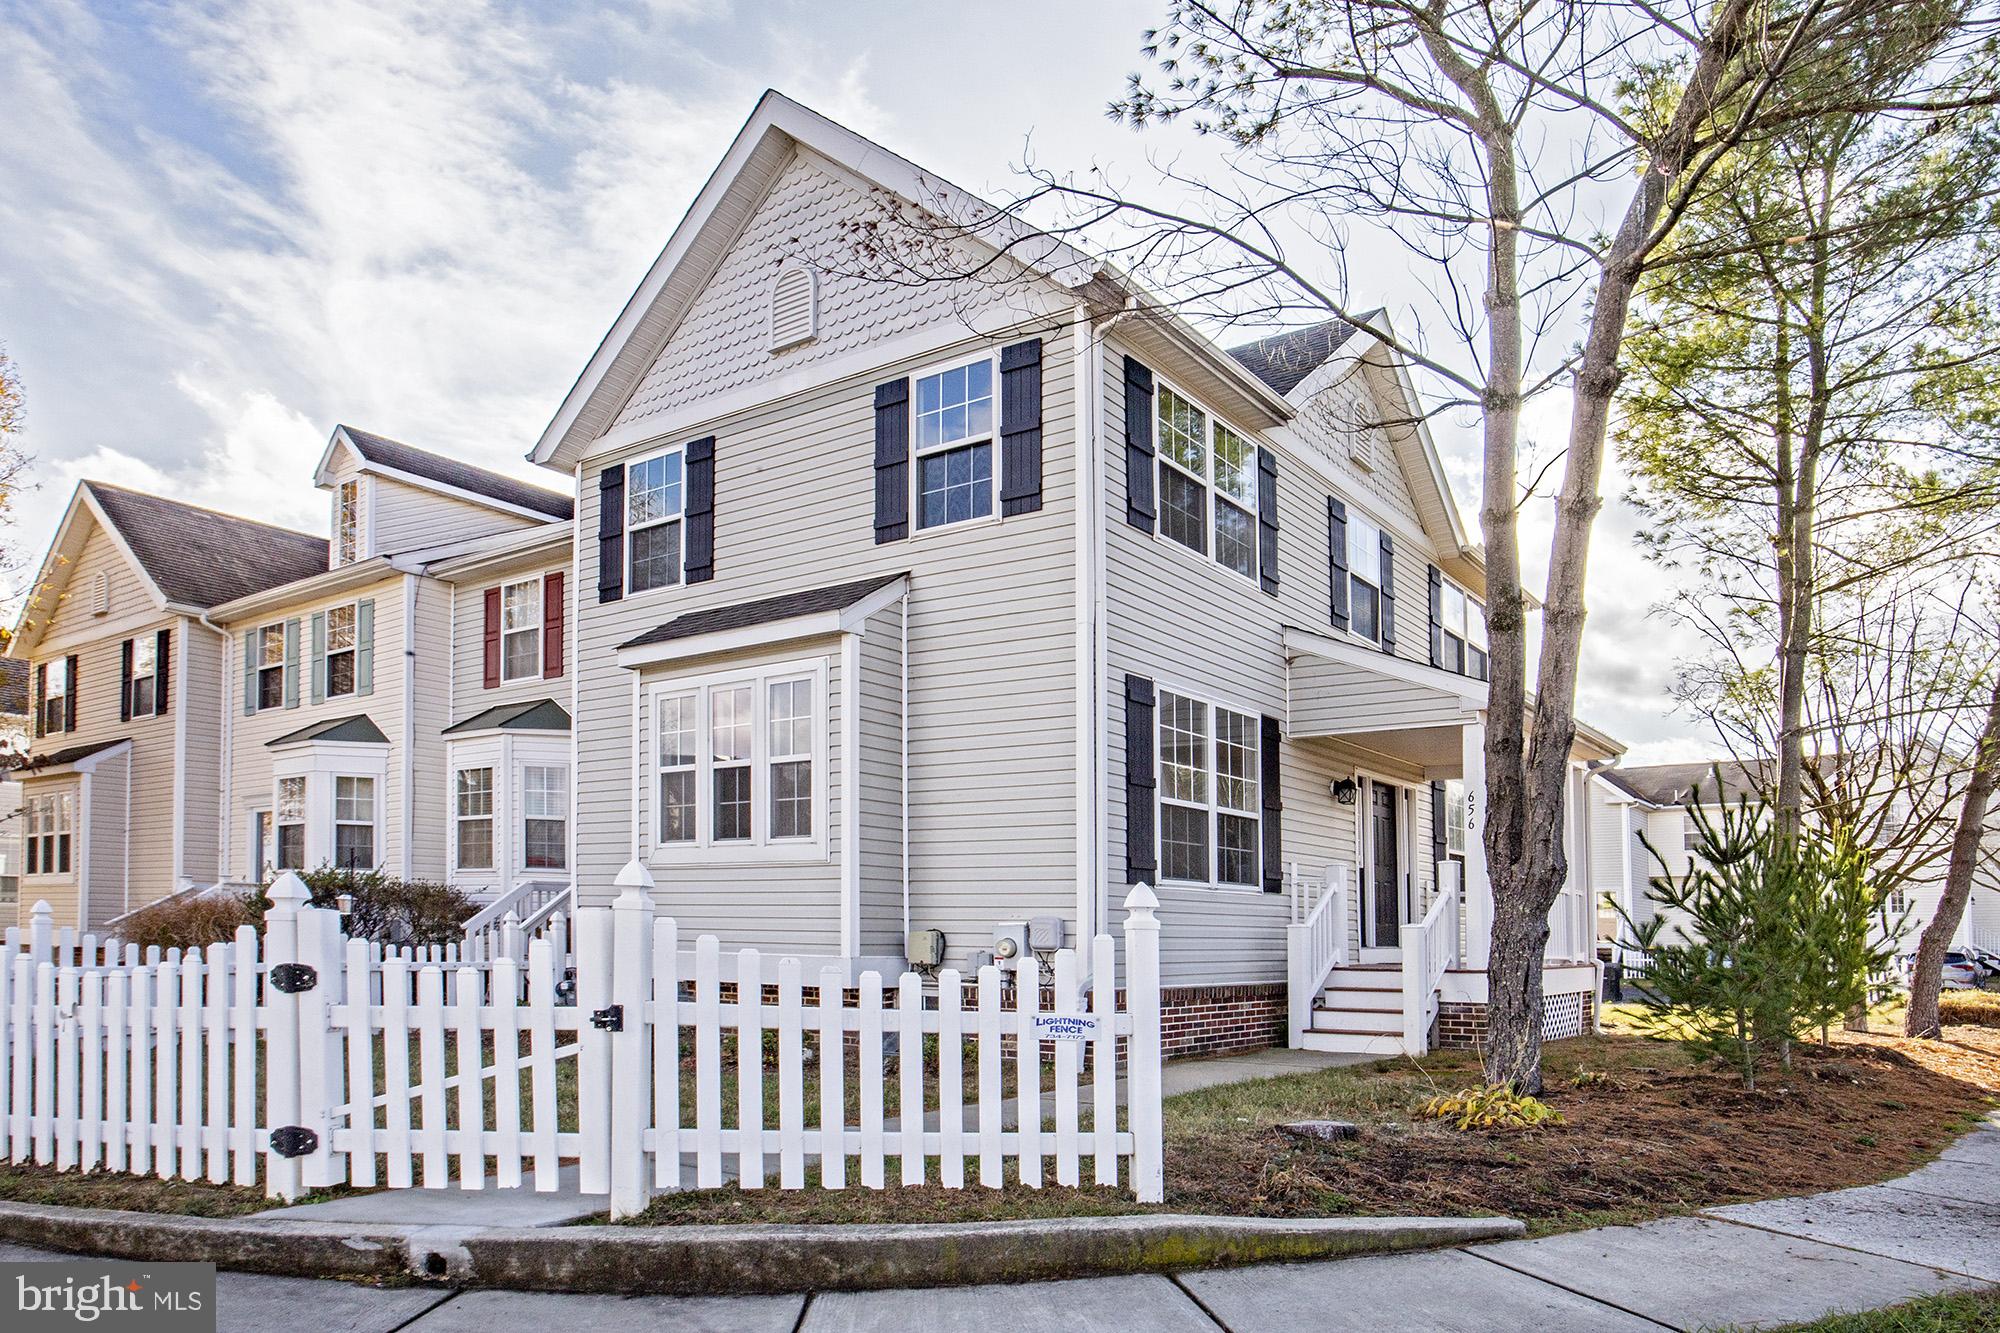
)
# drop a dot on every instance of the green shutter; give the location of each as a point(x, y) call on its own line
point(364, 647)
point(249, 672)
point(319, 657)
point(291, 664)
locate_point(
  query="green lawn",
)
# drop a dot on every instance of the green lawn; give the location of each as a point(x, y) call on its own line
point(1970, 1312)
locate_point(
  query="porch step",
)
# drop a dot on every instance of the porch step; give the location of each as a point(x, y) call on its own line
point(1352, 1043)
point(1357, 1020)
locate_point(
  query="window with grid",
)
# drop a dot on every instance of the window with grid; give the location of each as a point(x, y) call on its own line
point(729, 731)
point(354, 823)
point(55, 694)
point(1462, 633)
point(473, 812)
point(521, 630)
point(1208, 792)
point(1208, 483)
point(677, 717)
point(290, 812)
point(790, 754)
point(736, 759)
point(545, 816)
point(654, 500)
point(340, 648)
point(142, 690)
point(1364, 576)
point(271, 667)
point(347, 521)
point(51, 819)
point(954, 444)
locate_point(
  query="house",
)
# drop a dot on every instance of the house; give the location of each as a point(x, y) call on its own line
point(15, 696)
point(929, 616)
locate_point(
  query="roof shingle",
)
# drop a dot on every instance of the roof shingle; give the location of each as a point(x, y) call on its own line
point(1673, 784)
point(763, 611)
point(1283, 360)
point(199, 557)
point(417, 462)
point(14, 691)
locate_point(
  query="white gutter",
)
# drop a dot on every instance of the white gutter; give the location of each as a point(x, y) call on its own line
point(409, 721)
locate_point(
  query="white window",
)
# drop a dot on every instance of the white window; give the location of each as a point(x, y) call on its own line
point(545, 816)
point(143, 687)
point(654, 498)
point(347, 521)
point(954, 444)
point(1364, 577)
point(1208, 781)
point(521, 630)
point(354, 823)
point(738, 761)
point(1461, 633)
point(1208, 483)
point(51, 825)
point(291, 816)
point(55, 696)
point(340, 647)
point(1456, 817)
point(260, 846)
point(1690, 833)
point(473, 813)
point(271, 669)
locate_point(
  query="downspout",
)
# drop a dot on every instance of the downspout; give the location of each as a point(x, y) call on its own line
point(409, 721)
point(228, 774)
point(573, 665)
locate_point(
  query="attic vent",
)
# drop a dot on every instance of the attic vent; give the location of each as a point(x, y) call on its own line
point(794, 306)
point(100, 595)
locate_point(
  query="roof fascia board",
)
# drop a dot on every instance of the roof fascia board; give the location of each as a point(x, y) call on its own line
point(87, 764)
point(375, 569)
point(472, 558)
point(1307, 643)
point(26, 634)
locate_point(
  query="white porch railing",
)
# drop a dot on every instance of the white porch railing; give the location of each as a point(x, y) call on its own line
point(1430, 949)
point(1315, 943)
point(505, 927)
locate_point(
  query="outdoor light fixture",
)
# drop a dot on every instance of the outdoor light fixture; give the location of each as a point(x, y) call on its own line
point(344, 903)
point(1343, 790)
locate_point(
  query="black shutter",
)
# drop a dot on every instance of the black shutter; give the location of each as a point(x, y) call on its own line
point(1021, 427)
point(1268, 754)
point(161, 643)
point(611, 534)
point(69, 700)
point(892, 461)
point(1140, 811)
point(1139, 510)
point(125, 681)
point(701, 509)
point(41, 695)
point(1437, 824)
point(1388, 595)
point(1336, 560)
point(1267, 521)
point(1437, 616)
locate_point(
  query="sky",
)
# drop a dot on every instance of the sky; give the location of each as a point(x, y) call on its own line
point(226, 227)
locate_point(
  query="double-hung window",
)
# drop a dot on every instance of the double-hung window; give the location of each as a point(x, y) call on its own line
point(51, 823)
point(340, 641)
point(472, 811)
point(954, 444)
point(737, 760)
point(347, 522)
point(1364, 576)
point(354, 823)
point(271, 669)
point(654, 498)
point(290, 813)
point(143, 688)
point(1208, 483)
point(545, 816)
point(521, 630)
point(55, 696)
point(1208, 779)
point(1461, 633)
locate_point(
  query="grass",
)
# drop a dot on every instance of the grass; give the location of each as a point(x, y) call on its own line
point(1963, 1312)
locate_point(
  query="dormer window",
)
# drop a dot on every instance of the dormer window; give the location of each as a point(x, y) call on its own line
point(347, 521)
point(794, 306)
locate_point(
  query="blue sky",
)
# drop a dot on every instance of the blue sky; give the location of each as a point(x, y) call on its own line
point(225, 227)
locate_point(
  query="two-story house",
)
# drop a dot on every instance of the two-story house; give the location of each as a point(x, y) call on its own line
point(958, 604)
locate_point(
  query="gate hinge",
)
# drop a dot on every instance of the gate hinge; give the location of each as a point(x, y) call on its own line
point(609, 1020)
point(293, 1141)
point(292, 978)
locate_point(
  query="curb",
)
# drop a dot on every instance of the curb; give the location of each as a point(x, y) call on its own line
point(736, 1260)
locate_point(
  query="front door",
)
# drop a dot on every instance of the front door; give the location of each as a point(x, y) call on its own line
point(1385, 878)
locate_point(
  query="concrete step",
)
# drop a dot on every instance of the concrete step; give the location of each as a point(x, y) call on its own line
point(1352, 1043)
point(1358, 1020)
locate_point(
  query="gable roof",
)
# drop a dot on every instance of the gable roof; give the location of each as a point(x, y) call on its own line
point(1673, 784)
point(199, 557)
point(1283, 360)
point(534, 715)
point(37, 764)
point(359, 728)
point(423, 466)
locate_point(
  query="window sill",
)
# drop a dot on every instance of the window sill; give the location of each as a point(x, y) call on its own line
point(767, 854)
point(1210, 887)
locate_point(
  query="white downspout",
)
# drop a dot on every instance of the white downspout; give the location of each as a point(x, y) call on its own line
point(409, 722)
point(225, 795)
point(1084, 380)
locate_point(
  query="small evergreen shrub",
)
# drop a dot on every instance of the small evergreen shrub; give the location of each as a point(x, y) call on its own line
point(393, 911)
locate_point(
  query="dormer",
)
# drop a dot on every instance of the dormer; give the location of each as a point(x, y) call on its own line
point(350, 520)
point(387, 497)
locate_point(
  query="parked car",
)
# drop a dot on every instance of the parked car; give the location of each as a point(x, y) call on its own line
point(1985, 959)
point(1958, 972)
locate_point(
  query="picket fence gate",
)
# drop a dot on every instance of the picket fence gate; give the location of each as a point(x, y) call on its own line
point(307, 1060)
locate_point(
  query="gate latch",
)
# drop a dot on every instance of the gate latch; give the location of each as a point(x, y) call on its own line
point(293, 1141)
point(293, 978)
point(609, 1020)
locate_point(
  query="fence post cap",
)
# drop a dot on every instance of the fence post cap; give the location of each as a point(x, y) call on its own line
point(42, 909)
point(1141, 899)
point(634, 875)
point(288, 890)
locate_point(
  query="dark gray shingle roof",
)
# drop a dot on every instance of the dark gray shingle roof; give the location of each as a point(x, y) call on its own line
point(41, 761)
point(1283, 360)
point(534, 715)
point(203, 558)
point(741, 615)
point(464, 476)
point(1673, 784)
point(14, 686)
point(360, 727)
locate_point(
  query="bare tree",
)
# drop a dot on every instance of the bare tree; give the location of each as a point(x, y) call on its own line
point(14, 462)
point(1967, 847)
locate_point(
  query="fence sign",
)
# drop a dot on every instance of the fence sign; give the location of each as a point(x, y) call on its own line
point(1066, 1027)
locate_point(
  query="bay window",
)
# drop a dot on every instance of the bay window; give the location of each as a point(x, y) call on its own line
point(954, 444)
point(545, 816)
point(51, 826)
point(354, 823)
point(654, 499)
point(737, 761)
point(1208, 791)
point(290, 813)
point(1208, 483)
point(521, 630)
point(472, 813)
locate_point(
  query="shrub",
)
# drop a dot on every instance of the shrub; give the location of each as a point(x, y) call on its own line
point(1495, 1107)
point(392, 911)
point(189, 921)
point(1976, 1008)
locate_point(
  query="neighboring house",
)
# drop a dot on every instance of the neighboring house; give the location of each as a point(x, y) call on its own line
point(959, 606)
point(16, 700)
point(119, 794)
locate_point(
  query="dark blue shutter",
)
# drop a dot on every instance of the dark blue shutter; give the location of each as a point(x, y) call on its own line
point(161, 643)
point(125, 681)
point(69, 700)
point(1021, 427)
point(1268, 753)
point(611, 534)
point(1267, 521)
point(1139, 781)
point(1438, 851)
point(41, 697)
point(892, 461)
point(1139, 509)
point(1388, 594)
point(1336, 561)
point(701, 509)
point(1437, 616)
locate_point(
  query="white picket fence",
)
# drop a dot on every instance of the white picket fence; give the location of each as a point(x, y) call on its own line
point(312, 1060)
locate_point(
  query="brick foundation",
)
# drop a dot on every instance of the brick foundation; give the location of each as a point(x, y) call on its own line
point(1462, 1026)
point(1210, 1020)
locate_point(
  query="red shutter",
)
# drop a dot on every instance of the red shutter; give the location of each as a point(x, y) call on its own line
point(552, 626)
point(492, 637)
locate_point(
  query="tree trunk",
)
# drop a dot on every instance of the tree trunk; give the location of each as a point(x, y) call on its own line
point(1966, 840)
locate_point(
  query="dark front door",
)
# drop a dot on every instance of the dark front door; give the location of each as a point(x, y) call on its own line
point(1385, 878)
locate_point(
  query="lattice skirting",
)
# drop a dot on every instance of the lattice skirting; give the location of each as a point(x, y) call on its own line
point(1462, 1025)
